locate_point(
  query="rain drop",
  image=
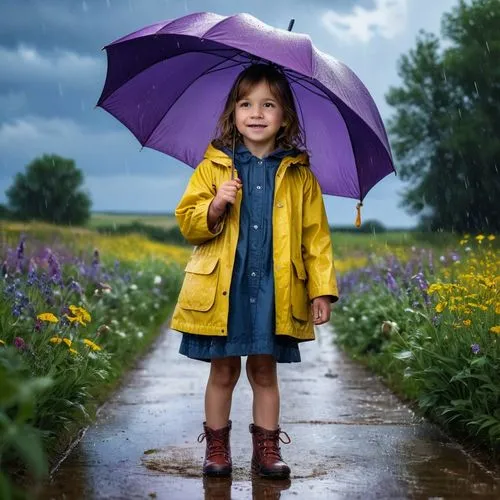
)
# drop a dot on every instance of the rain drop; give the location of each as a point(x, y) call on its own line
point(487, 47)
point(460, 113)
point(85, 7)
point(444, 76)
point(477, 91)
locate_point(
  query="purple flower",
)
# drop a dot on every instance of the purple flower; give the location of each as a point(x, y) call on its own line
point(76, 287)
point(19, 343)
point(475, 348)
point(391, 282)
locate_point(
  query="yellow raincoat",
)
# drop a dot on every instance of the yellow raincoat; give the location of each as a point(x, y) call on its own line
point(302, 249)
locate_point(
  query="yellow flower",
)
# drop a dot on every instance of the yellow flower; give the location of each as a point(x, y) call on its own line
point(467, 322)
point(80, 313)
point(491, 237)
point(55, 340)
point(47, 317)
point(495, 329)
point(2, 342)
point(497, 308)
point(440, 307)
point(91, 344)
point(480, 238)
point(67, 341)
point(73, 351)
point(435, 287)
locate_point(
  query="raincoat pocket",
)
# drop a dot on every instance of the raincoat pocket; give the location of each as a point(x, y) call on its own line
point(299, 299)
point(200, 283)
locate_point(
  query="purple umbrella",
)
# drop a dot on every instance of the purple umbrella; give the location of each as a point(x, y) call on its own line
point(168, 82)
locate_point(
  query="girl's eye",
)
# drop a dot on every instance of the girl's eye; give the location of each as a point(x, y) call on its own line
point(244, 104)
point(269, 104)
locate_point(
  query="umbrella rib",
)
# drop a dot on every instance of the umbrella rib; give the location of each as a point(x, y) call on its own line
point(328, 98)
point(178, 97)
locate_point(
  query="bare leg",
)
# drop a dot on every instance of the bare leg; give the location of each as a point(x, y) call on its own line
point(262, 375)
point(224, 373)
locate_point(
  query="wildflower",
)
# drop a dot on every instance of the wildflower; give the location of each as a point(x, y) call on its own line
point(440, 307)
point(467, 322)
point(140, 335)
point(103, 329)
point(475, 348)
point(76, 287)
point(47, 317)
point(73, 351)
point(55, 340)
point(389, 327)
point(467, 249)
point(19, 343)
point(491, 237)
point(91, 344)
point(157, 280)
point(67, 341)
point(80, 315)
point(495, 329)
point(480, 238)
point(133, 286)
point(497, 308)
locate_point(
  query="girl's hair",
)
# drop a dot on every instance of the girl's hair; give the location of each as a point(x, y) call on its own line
point(289, 136)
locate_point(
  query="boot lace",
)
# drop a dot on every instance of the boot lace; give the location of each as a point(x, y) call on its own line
point(270, 444)
point(216, 444)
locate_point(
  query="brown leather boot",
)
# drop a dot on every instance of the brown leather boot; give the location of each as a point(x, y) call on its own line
point(266, 458)
point(218, 451)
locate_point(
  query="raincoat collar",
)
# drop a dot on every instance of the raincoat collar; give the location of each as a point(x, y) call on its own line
point(220, 157)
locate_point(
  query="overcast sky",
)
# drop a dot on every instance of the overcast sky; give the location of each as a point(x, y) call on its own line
point(52, 72)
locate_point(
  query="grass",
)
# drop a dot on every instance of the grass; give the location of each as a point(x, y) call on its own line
point(100, 219)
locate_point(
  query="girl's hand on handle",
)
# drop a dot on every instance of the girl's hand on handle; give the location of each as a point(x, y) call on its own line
point(226, 194)
point(320, 309)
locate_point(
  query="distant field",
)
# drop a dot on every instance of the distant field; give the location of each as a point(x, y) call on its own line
point(99, 219)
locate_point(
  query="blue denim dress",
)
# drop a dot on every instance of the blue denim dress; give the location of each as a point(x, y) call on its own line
point(251, 322)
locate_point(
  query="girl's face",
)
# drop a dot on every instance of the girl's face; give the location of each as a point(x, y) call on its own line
point(259, 116)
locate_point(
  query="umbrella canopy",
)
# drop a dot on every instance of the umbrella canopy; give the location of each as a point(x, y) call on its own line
point(168, 83)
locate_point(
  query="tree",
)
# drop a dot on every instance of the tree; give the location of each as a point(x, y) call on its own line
point(445, 129)
point(49, 190)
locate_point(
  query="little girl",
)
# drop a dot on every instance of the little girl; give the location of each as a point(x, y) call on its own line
point(262, 273)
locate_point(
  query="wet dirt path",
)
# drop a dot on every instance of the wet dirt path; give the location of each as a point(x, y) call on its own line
point(351, 438)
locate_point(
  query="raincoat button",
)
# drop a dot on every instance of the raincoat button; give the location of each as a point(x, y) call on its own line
point(259, 187)
point(254, 274)
point(224, 292)
point(252, 300)
point(260, 162)
point(256, 226)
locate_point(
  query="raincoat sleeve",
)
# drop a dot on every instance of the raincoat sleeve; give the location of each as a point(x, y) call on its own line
point(192, 210)
point(317, 251)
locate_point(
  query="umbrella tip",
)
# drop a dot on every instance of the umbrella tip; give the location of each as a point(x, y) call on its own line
point(290, 25)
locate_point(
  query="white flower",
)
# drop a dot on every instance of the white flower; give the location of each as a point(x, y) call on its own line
point(140, 335)
point(467, 249)
point(156, 305)
point(442, 258)
point(121, 334)
point(351, 319)
point(364, 318)
point(344, 308)
point(133, 286)
point(157, 280)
